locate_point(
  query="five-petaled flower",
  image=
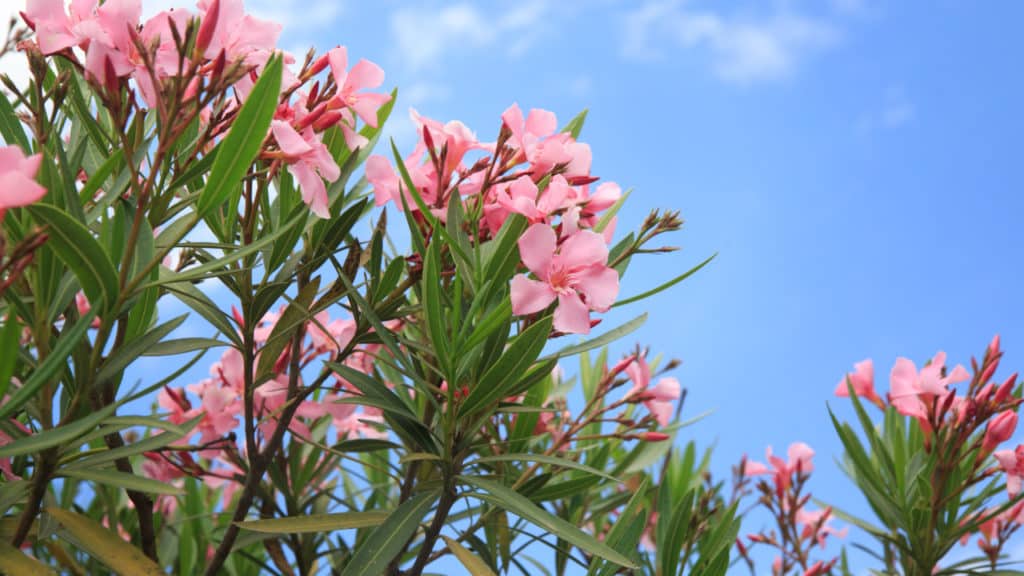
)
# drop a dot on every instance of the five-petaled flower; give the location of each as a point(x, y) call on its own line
point(575, 273)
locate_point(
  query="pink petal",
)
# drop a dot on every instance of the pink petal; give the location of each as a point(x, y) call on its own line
point(382, 177)
point(314, 193)
point(600, 286)
point(903, 379)
point(537, 248)
point(582, 250)
point(541, 122)
point(513, 118)
point(571, 316)
point(18, 189)
point(290, 141)
point(366, 106)
point(530, 296)
point(666, 389)
point(364, 74)
point(338, 58)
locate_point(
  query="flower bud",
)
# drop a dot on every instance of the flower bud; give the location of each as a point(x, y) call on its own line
point(1005, 389)
point(999, 430)
point(208, 27)
point(657, 436)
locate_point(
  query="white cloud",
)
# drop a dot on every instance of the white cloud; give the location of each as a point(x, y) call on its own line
point(293, 15)
point(424, 36)
point(743, 49)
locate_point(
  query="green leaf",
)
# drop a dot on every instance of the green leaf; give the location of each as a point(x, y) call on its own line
point(666, 285)
point(505, 373)
point(131, 350)
point(76, 247)
point(292, 319)
point(10, 126)
point(576, 124)
point(9, 346)
point(508, 499)
point(470, 561)
point(149, 444)
point(364, 445)
point(551, 460)
point(182, 345)
point(104, 545)
point(432, 308)
point(388, 539)
point(121, 480)
point(602, 340)
point(243, 142)
point(316, 523)
point(56, 436)
point(56, 360)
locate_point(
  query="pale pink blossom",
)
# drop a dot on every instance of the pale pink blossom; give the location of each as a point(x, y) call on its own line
point(18, 186)
point(659, 399)
point(309, 162)
point(241, 36)
point(799, 461)
point(909, 389)
point(816, 525)
point(863, 381)
point(352, 83)
point(523, 197)
point(576, 274)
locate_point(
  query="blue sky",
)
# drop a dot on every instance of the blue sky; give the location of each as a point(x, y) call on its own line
point(856, 165)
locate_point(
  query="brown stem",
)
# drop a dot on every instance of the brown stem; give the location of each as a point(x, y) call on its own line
point(40, 482)
point(143, 503)
point(430, 537)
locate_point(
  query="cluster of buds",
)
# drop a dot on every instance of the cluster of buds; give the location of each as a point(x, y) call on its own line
point(797, 530)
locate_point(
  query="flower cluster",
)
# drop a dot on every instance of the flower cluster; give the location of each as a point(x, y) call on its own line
point(797, 530)
point(205, 64)
point(219, 402)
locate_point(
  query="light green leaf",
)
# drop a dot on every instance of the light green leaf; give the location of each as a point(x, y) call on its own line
point(316, 523)
point(104, 545)
point(388, 539)
point(602, 340)
point(121, 480)
point(470, 561)
point(14, 563)
point(60, 435)
point(666, 285)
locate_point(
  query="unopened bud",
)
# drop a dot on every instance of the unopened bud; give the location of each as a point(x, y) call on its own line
point(208, 27)
point(999, 430)
point(1005, 389)
point(654, 437)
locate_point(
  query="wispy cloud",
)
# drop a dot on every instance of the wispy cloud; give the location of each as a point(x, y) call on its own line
point(424, 36)
point(744, 48)
point(895, 110)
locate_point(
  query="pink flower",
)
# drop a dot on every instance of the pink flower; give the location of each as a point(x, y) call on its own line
point(241, 36)
point(1012, 462)
point(18, 186)
point(575, 273)
point(309, 162)
point(523, 197)
point(799, 455)
point(863, 381)
point(999, 430)
point(658, 400)
point(362, 76)
point(908, 388)
point(337, 335)
point(816, 525)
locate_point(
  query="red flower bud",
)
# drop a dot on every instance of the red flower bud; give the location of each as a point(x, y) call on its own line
point(208, 27)
point(999, 430)
point(1005, 389)
point(654, 436)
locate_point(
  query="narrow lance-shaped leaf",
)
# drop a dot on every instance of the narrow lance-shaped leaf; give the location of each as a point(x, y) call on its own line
point(56, 360)
point(76, 246)
point(316, 523)
point(387, 540)
point(240, 147)
point(104, 545)
point(470, 561)
point(508, 499)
